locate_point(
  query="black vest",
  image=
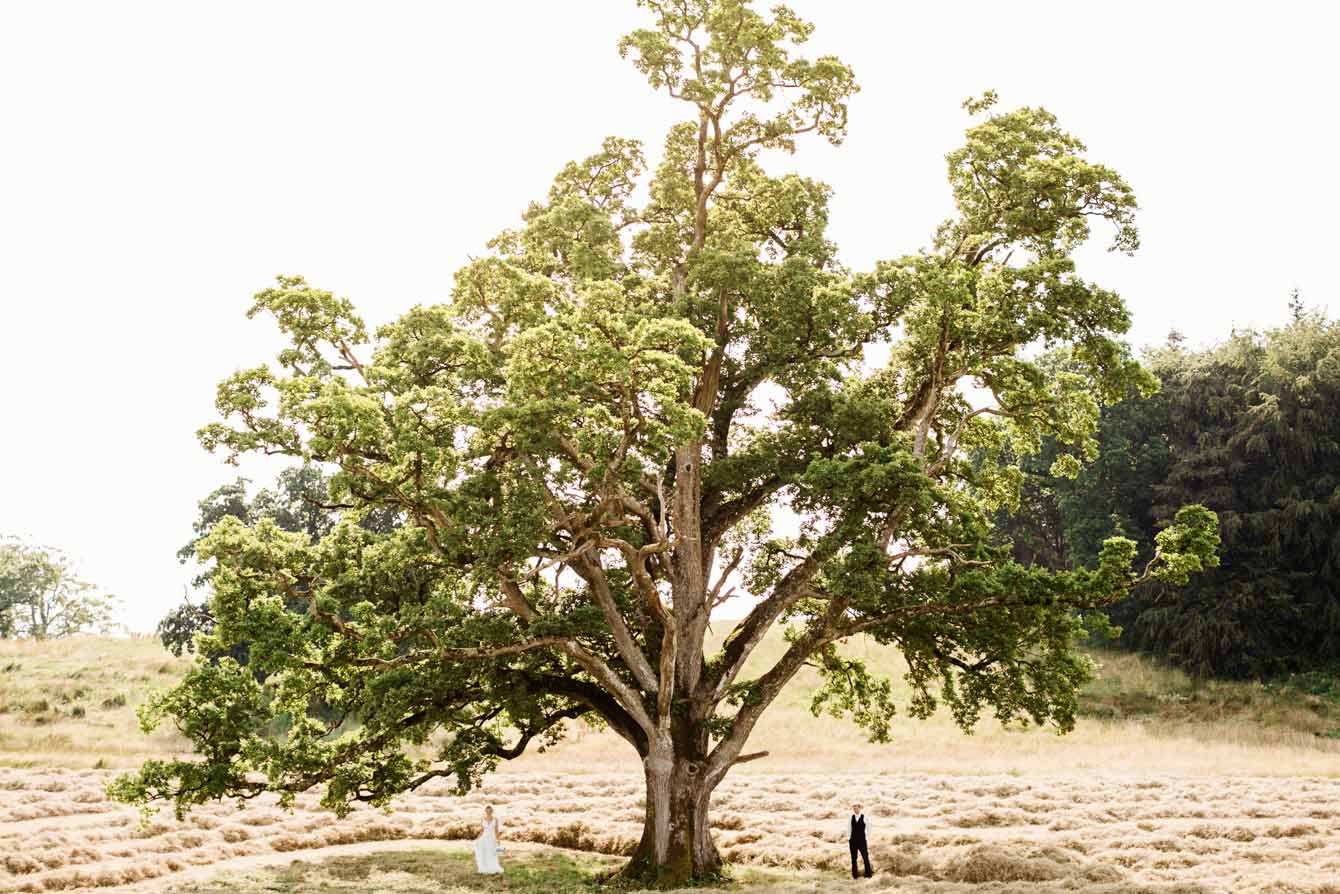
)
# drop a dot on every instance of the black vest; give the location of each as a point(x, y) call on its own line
point(858, 828)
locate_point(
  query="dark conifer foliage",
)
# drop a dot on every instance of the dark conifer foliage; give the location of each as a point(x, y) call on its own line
point(1251, 429)
point(1254, 432)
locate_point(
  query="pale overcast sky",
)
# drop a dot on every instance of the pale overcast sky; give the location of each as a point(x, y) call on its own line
point(160, 162)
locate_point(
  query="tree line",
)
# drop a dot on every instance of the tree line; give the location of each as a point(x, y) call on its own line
point(1249, 427)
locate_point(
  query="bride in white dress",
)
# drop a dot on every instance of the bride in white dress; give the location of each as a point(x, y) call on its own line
point(486, 846)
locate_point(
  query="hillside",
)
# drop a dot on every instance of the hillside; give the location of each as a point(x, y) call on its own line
point(70, 703)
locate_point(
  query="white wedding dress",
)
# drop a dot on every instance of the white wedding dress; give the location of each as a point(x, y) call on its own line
point(486, 849)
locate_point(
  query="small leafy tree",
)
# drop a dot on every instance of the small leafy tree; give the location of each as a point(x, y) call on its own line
point(590, 439)
point(40, 596)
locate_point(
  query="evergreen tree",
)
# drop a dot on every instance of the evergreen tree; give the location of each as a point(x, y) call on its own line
point(1253, 432)
point(1250, 429)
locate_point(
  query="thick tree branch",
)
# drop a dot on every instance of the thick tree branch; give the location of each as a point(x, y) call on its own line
point(724, 516)
point(590, 571)
point(418, 656)
point(532, 730)
point(750, 631)
point(763, 690)
point(593, 697)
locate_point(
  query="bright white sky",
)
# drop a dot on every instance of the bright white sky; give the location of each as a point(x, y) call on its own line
point(160, 162)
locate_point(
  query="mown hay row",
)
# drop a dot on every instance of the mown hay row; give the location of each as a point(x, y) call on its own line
point(934, 834)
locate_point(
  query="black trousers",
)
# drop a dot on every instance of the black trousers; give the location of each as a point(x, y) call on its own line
point(858, 846)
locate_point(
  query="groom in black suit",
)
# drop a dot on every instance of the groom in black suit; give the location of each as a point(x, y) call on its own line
point(856, 839)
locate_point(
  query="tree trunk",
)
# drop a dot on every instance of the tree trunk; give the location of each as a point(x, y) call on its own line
point(676, 846)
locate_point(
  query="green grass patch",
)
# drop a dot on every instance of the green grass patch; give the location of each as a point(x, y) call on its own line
point(450, 869)
point(422, 871)
point(1321, 685)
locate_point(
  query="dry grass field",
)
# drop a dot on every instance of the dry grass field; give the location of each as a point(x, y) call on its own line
point(930, 833)
point(1166, 785)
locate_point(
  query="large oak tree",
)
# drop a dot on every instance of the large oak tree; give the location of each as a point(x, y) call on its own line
point(592, 441)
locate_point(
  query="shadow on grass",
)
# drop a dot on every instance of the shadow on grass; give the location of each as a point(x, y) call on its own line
point(448, 870)
point(422, 871)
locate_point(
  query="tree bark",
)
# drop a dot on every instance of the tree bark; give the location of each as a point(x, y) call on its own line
point(676, 846)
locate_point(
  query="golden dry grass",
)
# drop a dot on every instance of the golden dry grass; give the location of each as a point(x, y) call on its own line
point(931, 834)
point(71, 702)
point(1166, 785)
